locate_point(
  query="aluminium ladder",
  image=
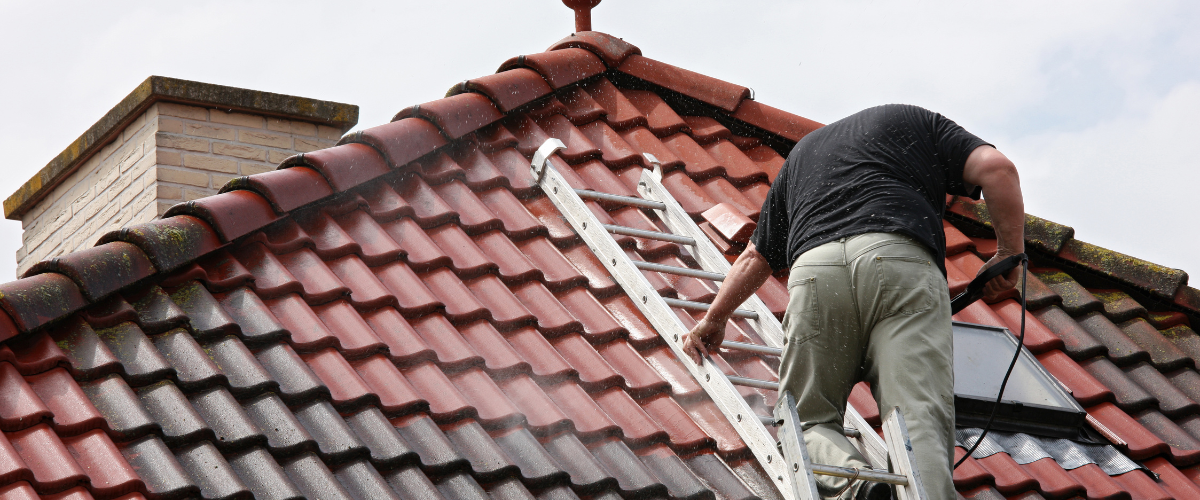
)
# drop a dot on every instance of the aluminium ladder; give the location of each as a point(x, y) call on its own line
point(786, 463)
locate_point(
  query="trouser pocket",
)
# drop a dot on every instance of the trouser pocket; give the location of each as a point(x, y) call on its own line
point(905, 284)
point(800, 322)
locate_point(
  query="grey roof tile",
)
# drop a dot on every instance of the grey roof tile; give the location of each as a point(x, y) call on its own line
point(120, 407)
point(297, 383)
point(193, 368)
point(255, 320)
point(632, 476)
point(335, 441)
point(285, 435)
point(163, 475)
point(488, 461)
point(211, 472)
point(167, 405)
point(388, 449)
point(230, 423)
point(155, 310)
point(245, 376)
point(263, 476)
point(538, 467)
point(462, 486)
point(204, 313)
point(311, 475)
point(363, 482)
point(438, 456)
point(410, 483)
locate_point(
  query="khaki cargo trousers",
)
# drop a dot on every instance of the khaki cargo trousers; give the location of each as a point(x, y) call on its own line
point(871, 307)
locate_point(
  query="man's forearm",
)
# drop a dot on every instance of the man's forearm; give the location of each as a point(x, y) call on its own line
point(748, 273)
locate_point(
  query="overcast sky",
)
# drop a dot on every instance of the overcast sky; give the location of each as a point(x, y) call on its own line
point(1098, 102)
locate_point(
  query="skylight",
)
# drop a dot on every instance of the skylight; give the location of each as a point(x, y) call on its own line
point(1034, 402)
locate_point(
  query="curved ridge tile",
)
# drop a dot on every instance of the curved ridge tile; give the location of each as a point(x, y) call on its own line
point(169, 243)
point(559, 67)
point(100, 270)
point(508, 89)
point(457, 115)
point(611, 49)
point(400, 142)
point(1159, 280)
point(707, 89)
point(288, 188)
point(232, 215)
point(791, 127)
point(345, 165)
point(37, 300)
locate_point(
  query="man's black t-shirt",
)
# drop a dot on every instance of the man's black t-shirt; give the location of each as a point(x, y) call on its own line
point(885, 169)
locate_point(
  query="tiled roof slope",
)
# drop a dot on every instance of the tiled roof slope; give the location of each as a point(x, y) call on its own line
point(405, 315)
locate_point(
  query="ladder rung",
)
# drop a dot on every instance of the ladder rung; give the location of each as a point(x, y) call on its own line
point(700, 306)
point(761, 349)
point(770, 421)
point(626, 200)
point(652, 235)
point(682, 271)
point(872, 475)
point(753, 382)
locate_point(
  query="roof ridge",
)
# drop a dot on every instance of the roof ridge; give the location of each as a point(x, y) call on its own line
point(1059, 241)
point(60, 286)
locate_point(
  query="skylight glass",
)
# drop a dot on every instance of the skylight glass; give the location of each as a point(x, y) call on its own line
point(1034, 402)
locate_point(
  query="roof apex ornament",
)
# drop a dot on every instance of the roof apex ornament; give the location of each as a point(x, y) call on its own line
point(583, 13)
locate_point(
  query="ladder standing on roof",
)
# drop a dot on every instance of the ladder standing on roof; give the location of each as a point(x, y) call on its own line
point(787, 462)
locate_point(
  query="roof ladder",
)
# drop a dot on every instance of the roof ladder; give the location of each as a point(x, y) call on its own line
point(785, 462)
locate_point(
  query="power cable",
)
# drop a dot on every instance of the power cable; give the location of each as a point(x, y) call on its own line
point(1011, 364)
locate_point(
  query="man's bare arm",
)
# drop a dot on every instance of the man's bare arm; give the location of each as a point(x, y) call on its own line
point(997, 175)
point(748, 273)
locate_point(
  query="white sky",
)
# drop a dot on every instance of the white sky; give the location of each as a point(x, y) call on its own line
point(1096, 101)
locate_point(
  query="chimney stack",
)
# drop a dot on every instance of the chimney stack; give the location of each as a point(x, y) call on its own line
point(168, 142)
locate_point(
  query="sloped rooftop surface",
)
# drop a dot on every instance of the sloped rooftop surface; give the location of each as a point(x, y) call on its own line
point(405, 315)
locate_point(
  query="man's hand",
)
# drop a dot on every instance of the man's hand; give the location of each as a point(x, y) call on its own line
point(1000, 284)
point(706, 336)
point(748, 273)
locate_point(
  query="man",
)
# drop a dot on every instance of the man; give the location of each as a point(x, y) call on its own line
point(856, 212)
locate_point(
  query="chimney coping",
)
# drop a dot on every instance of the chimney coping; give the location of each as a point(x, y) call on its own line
point(164, 89)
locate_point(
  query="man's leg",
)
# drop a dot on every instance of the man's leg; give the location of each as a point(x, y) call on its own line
point(910, 353)
point(822, 358)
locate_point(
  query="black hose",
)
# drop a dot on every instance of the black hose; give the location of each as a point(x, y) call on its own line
point(1011, 365)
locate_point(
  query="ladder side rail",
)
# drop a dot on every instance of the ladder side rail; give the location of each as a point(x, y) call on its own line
point(712, 260)
point(868, 442)
point(904, 461)
point(791, 440)
point(739, 413)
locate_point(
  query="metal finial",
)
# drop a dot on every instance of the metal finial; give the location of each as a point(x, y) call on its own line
point(583, 13)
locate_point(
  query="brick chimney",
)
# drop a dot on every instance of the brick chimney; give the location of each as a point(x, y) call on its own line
point(167, 142)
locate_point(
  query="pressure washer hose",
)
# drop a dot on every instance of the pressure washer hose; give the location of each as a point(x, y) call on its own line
point(1011, 364)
